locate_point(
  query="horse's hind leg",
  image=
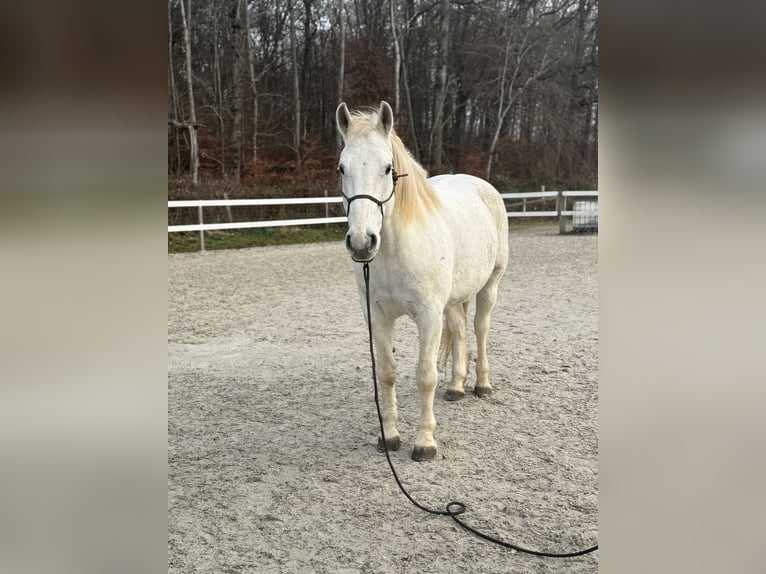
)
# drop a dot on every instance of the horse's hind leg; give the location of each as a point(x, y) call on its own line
point(383, 336)
point(456, 319)
point(485, 302)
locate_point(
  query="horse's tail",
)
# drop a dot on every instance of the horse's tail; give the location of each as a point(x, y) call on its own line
point(445, 346)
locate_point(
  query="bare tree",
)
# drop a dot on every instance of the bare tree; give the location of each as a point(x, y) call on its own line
point(191, 123)
point(510, 77)
point(437, 132)
point(172, 92)
point(341, 58)
point(397, 54)
point(253, 80)
point(296, 86)
point(415, 149)
point(218, 88)
point(238, 41)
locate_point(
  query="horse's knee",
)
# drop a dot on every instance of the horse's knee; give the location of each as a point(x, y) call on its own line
point(388, 379)
point(481, 322)
point(427, 374)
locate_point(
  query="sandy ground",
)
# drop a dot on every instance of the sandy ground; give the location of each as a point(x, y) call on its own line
point(272, 428)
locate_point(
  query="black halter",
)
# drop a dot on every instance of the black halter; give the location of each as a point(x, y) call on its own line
point(394, 176)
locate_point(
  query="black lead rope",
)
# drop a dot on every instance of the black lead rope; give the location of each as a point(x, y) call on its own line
point(453, 508)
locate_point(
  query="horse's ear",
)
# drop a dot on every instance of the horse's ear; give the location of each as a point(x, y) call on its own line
point(385, 118)
point(342, 119)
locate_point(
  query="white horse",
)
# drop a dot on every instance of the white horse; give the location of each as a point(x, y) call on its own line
point(437, 243)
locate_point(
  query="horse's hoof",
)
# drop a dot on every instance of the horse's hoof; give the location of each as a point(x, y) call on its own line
point(453, 395)
point(421, 453)
point(482, 392)
point(392, 443)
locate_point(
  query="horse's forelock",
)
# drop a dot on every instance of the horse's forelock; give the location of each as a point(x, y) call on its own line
point(363, 122)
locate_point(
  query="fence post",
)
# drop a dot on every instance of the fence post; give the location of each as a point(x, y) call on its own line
point(326, 209)
point(228, 207)
point(201, 231)
point(560, 199)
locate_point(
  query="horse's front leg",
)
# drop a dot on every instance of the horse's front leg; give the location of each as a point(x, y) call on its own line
point(429, 334)
point(383, 336)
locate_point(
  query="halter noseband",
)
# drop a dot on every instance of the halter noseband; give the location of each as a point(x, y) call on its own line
point(394, 176)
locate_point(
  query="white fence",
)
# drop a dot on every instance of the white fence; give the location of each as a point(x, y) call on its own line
point(560, 212)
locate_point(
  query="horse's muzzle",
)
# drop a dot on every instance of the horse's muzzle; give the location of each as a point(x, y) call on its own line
point(362, 247)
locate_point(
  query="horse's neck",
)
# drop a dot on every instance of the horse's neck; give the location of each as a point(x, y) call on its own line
point(391, 238)
point(401, 239)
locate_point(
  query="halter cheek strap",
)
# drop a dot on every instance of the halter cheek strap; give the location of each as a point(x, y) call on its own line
point(394, 176)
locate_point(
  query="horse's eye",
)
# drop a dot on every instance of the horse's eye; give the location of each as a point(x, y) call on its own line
point(340, 169)
point(388, 170)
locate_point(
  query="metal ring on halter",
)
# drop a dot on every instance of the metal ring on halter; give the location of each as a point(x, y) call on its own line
point(394, 176)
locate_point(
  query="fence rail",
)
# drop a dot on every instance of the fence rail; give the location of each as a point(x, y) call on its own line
point(201, 227)
point(271, 201)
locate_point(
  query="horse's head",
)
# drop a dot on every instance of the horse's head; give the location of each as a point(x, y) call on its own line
point(367, 177)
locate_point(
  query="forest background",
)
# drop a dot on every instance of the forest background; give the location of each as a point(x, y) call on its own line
point(507, 90)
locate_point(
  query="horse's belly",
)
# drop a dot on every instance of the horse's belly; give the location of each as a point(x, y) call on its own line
point(472, 270)
point(475, 241)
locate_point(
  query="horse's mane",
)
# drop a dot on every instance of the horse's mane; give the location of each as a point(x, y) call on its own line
point(415, 197)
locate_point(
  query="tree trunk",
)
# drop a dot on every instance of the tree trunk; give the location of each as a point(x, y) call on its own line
point(397, 55)
point(296, 87)
point(441, 90)
point(219, 95)
point(405, 50)
point(342, 61)
point(506, 102)
point(173, 90)
point(308, 39)
point(192, 123)
point(174, 112)
point(501, 105)
point(235, 142)
point(253, 79)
